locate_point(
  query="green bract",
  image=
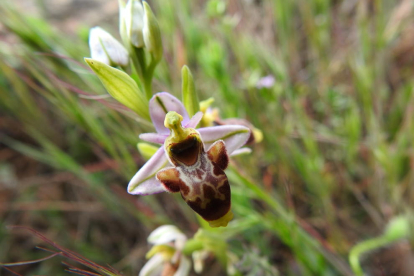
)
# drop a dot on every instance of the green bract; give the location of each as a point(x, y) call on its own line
point(152, 34)
point(121, 87)
point(146, 150)
point(190, 99)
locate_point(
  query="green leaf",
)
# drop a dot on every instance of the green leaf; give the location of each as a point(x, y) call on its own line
point(121, 87)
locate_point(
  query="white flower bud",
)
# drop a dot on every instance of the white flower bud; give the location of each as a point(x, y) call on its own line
point(105, 48)
point(167, 233)
point(122, 25)
point(134, 22)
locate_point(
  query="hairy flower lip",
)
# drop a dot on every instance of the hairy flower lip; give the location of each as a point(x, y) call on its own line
point(186, 151)
point(144, 181)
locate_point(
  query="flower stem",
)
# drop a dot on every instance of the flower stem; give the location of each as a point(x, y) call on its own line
point(148, 87)
point(145, 73)
point(191, 246)
point(148, 75)
point(363, 247)
point(140, 61)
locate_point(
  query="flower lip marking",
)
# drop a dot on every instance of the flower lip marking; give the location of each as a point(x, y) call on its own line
point(186, 151)
point(184, 144)
point(198, 175)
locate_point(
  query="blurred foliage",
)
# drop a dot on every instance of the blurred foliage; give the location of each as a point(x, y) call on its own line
point(334, 167)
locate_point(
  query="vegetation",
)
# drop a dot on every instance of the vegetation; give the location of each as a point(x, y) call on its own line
point(334, 169)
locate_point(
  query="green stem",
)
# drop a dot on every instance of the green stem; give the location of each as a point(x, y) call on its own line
point(140, 61)
point(144, 73)
point(148, 75)
point(148, 87)
point(191, 246)
point(363, 247)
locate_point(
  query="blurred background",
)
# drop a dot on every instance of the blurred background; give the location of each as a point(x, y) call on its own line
point(329, 83)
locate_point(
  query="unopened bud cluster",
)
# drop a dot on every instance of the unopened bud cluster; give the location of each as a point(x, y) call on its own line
point(138, 29)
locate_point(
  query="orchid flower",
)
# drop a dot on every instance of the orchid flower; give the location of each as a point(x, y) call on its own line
point(191, 161)
point(165, 257)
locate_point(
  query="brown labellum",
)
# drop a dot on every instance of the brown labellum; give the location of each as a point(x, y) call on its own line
point(199, 177)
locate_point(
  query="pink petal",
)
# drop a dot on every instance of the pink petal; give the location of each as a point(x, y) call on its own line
point(234, 136)
point(144, 182)
point(241, 151)
point(148, 187)
point(153, 137)
point(195, 120)
point(159, 106)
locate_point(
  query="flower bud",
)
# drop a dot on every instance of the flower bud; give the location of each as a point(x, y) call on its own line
point(105, 48)
point(121, 87)
point(152, 34)
point(398, 228)
point(134, 22)
point(122, 25)
point(210, 115)
point(167, 234)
